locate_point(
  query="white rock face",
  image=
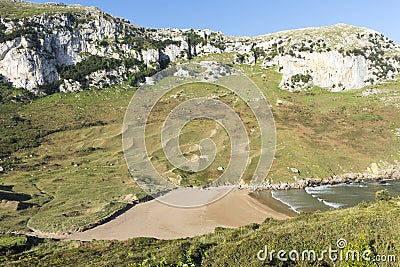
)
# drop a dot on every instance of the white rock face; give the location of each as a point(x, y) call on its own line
point(70, 86)
point(32, 60)
point(61, 42)
point(151, 56)
point(208, 49)
point(173, 52)
point(25, 68)
point(328, 69)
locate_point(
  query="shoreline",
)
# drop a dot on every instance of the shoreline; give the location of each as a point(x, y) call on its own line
point(157, 220)
point(333, 180)
point(257, 198)
point(253, 199)
point(265, 197)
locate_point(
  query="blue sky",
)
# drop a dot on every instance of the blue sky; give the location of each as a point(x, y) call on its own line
point(254, 17)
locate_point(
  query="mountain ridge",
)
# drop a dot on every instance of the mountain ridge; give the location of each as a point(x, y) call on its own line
point(41, 52)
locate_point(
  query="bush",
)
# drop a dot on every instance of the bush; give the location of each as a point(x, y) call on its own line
point(27, 30)
point(301, 77)
point(94, 63)
point(140, 76)
point(8, 93)
point(194, 39)
point(143, 43)
point(91, 64)
point(382, 195)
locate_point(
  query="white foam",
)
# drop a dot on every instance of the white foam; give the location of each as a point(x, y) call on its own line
point(352, 185)
point(333, 204)
point(292, 207)
point(323, 189)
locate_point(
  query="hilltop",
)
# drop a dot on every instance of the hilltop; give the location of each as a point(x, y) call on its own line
point(19, 9)
point(54, 47)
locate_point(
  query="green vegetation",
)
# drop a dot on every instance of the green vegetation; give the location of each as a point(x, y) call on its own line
point(140, 76)
point(26, 31)
point(20, 9)
point(8, 93)
point(227, 58)
point(258, 52)
point(93, 63)
point(87, 66)
point(199, 129)
point(11, 100)
point(64, 150)
point(372, 226)
point(193, 39)
point(325, 133)
point(144, 43)
point(383, 195)
point(63, 170)
point(304, 78)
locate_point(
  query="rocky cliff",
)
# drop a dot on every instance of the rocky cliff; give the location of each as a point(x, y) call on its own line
point(336, 57)
point(53, 47)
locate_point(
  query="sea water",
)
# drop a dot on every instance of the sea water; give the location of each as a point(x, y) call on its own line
point(329, 197)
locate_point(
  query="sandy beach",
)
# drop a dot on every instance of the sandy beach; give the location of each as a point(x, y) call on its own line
point(158, 220)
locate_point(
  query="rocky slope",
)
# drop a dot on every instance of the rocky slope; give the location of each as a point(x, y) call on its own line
point(335, 57)
point(52, 47)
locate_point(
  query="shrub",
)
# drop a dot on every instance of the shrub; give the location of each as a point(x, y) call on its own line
point(140, 76)
point(91, 64)
point(382, 195)
point(143, 43)
point(4, 37)
point(305, 78)
point(193, 38)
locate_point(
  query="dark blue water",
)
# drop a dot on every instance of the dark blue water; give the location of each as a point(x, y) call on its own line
point(329, 197)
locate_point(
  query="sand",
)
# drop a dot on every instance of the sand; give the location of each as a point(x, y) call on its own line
point(158, 220)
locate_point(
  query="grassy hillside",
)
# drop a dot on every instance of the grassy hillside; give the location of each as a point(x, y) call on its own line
point(67, 157)
point(21, 9)
point(323, 133)
point(373, 226)
point(65, 170)
point(197, 130)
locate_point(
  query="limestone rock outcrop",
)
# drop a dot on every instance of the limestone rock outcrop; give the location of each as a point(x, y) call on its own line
point(74, 50)
point(327, 69)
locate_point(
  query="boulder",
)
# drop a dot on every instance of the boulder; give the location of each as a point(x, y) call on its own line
point(374, 169)
point(70, 86)
point(295, 170)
